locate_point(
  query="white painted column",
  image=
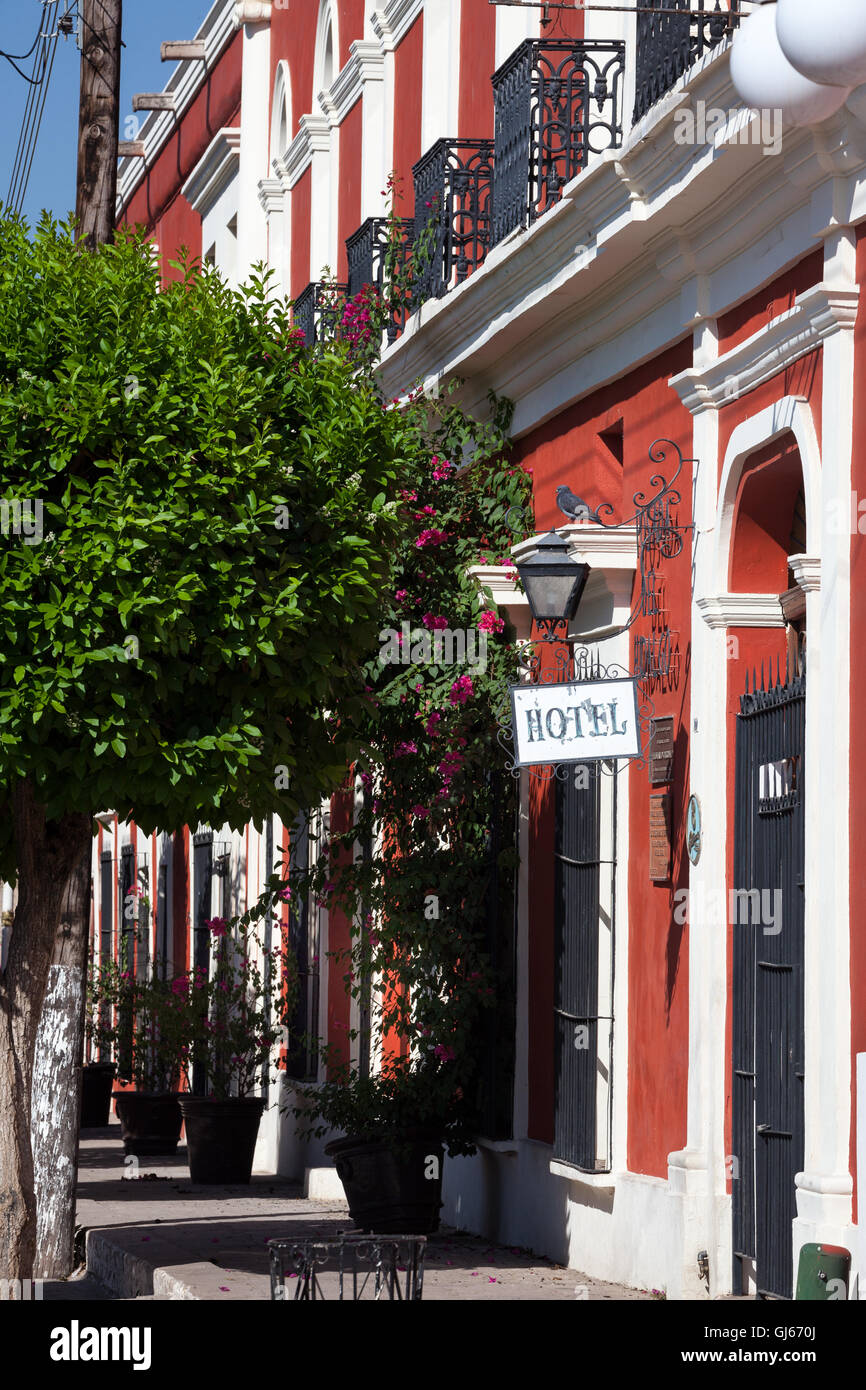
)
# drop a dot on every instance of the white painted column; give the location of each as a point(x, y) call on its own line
point(322, 245)
point(441, 72)
point(376, 158)
point(255, 17)
point(696, 1174)
point(825, 1187)
point(513, 25)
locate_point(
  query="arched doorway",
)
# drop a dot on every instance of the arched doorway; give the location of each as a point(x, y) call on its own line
point(767, 900)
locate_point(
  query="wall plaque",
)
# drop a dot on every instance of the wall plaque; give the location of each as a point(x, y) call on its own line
point(661, 750)
point(660, 837)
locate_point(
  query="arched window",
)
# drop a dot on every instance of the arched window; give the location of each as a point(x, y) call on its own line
point(326, 66)
point(281, 112)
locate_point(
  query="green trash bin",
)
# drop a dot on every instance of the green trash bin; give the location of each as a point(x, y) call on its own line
point(823, 1273)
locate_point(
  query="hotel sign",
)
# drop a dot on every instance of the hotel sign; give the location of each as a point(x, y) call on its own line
point(575, 722)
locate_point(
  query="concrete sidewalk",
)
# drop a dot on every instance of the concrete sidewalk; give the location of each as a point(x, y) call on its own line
point(157, 1235)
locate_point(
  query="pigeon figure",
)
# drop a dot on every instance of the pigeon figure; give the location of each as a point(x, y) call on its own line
point(574, 507)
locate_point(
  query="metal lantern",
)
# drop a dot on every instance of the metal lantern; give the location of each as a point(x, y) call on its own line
point(552, 581)
point(765, 80)
point(825, 43)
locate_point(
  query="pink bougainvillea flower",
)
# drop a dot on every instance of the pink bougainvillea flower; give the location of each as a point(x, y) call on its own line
point(403, 749)
point(490, 621)
point(461, 690)
point(420, 812)
point(400, 595)
point(180, 985)
point(430, 537)
point(430, 726)
point(218, 925)
point(445, 1054)
point(441, 468)
point(366, 780)
point(286, 894)
point(436, 624)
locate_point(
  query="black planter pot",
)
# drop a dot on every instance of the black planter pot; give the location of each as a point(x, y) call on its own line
point(391, 1190)
point(221, 1137)
point(150, 1121)
point(97, 1079)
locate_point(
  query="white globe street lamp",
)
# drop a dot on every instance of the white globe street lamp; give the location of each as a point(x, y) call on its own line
point(826, 42)
point(765, 80)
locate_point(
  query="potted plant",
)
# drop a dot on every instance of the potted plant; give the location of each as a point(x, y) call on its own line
point(146, 1022)
point(238, 1013)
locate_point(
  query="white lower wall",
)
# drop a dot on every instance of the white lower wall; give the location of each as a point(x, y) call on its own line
point(615, 1227)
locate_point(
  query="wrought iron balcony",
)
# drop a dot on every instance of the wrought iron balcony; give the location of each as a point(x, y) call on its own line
point(317, 311)
point(557, 101)
point(367, 252)
point(453, 213)
point(669, 41)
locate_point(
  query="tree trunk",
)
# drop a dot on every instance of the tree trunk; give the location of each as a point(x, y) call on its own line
point(47, 853)
point(56, 1104)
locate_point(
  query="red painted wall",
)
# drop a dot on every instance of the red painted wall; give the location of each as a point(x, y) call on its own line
point(350, 26)
point(301, 209)
point(757, 311)
point(580, 447)
point(349, 213)
point(157, 202)
point(407, 108)
point(477, 61)
point(293, 38)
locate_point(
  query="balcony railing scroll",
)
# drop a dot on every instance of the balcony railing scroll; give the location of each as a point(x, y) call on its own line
point(670, 40)
point(367, 253)
point(453, 213)
point(557, 101)
point(317, 311)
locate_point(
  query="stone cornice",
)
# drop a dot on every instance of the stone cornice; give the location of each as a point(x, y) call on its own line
point(252, 12)
point(271, 195)
point(742, 610)
point(817, 314)
point(313, 137)
point(807, 572)
point(366, 63)
point(185, 82)
point(214, 171)
point(393, 22)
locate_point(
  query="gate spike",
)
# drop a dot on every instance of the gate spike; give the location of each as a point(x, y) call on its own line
point(763, 687)
point(747, 680)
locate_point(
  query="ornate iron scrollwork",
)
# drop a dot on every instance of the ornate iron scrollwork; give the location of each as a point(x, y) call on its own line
point(367, 252)
point(317, 310)
point(453, 194)
point(670, 40)
point(545, 125)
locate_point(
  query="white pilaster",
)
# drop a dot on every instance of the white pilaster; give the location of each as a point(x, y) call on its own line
point(825, 1186)
point(255, 133)
point(697, 1173)
point(441, 72)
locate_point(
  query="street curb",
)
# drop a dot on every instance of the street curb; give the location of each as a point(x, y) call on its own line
point(130, 1276)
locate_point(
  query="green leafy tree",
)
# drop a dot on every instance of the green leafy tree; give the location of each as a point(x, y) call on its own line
point(197, 521)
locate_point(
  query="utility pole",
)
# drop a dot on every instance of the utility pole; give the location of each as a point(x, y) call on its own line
point(99, 114)
point(56, 1102)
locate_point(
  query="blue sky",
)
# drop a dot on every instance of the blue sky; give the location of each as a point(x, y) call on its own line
point(146, 23)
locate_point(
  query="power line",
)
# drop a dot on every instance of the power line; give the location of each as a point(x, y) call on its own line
point(31, 124)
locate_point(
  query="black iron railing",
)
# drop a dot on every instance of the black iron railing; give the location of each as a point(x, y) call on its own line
point(317, 311)
point(669, 41)
point(453, 205)
point(367, 253)
point(556, 103)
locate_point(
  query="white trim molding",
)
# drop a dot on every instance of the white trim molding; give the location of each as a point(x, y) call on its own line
point(742, 610)
point(313, 137)
point(366, 63)
point(807, 572)
point(392, 24)
point(214, 171)
point(817, 314)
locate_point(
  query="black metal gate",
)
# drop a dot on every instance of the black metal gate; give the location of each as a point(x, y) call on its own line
point(768, 1001)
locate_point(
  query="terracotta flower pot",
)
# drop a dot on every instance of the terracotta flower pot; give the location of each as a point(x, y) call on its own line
point(391, 1190)
point(150, 1121)
point(221, 1137)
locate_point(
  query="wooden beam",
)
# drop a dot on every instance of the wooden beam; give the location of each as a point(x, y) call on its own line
point(154, 101)
point(130, 149)
point(98, 120)
point(175, 50)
